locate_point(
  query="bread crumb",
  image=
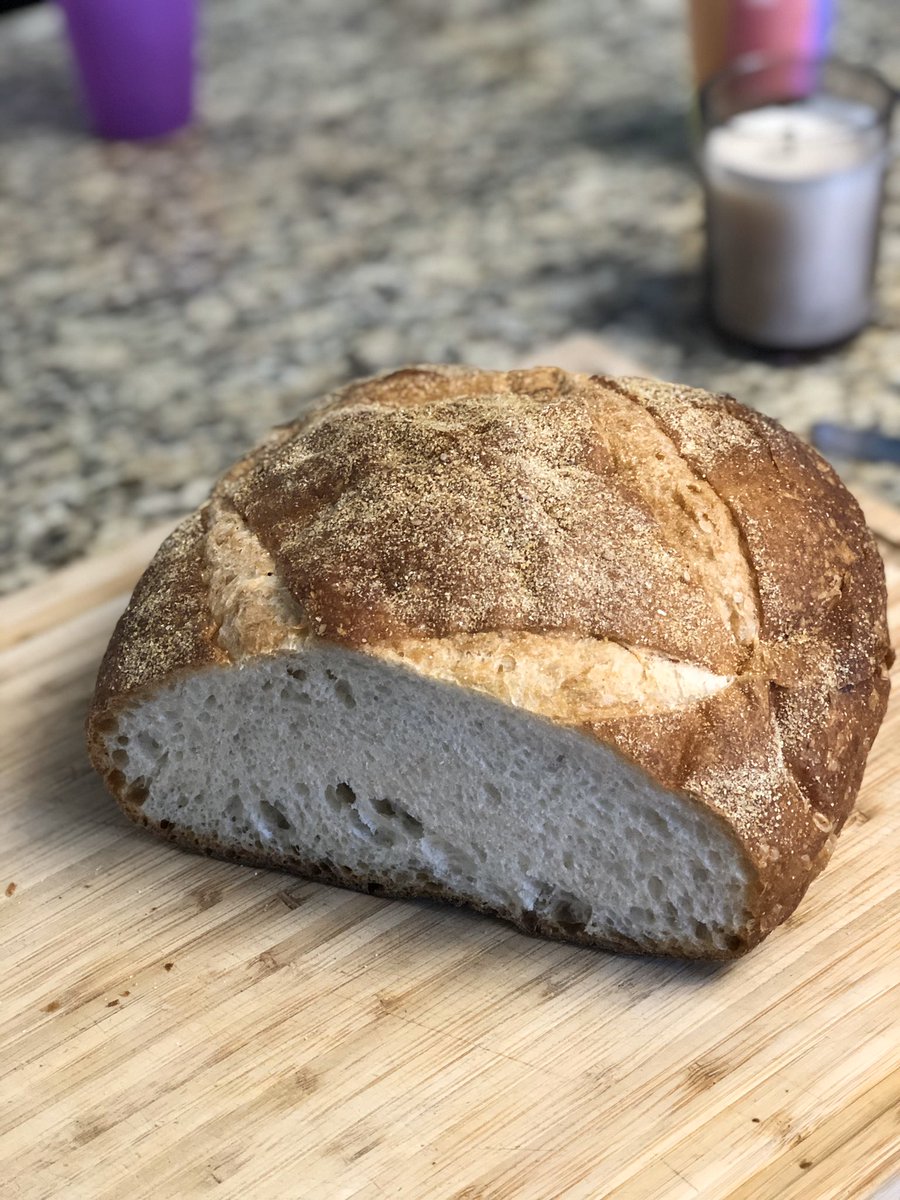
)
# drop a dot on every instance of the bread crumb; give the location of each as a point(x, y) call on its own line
point(168, 966)
point(10, 889)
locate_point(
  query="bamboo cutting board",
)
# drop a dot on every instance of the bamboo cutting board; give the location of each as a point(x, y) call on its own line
point(177, 1027)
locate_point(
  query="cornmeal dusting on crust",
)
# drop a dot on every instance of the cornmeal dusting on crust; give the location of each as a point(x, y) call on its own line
point(803, 532)
point(821, 584)
point(504, 511)
point(706, 433)
point(168, 625)
point(696, 519)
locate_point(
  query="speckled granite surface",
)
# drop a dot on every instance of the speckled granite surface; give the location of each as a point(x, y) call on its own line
point(370, 184)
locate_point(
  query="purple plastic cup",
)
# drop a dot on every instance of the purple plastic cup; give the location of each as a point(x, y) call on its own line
point(136, 63)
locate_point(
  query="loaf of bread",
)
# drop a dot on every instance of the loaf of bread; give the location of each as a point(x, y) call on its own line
point(603, 657)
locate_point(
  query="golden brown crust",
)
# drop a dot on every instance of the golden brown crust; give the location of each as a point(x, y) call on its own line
point(726, 751)
point(502, 510)
point(816, 564)
point(168, 626)
point(166, 629)
point(437, 509)
point(819, 576)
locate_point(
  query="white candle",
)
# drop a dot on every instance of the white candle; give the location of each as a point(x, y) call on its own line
point(793, 206)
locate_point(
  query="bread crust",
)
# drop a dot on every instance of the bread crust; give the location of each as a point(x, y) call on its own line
point(436, 505)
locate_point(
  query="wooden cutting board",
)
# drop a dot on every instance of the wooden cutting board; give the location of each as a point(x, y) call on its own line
point(177, 1027)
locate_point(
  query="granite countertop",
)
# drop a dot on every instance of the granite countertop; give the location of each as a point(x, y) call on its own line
point(370, 184)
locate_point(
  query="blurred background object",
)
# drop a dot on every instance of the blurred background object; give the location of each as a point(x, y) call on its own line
point(370, 184)
point(793, 156)
point(723, 31)
point(867, 445)
point(135, 63)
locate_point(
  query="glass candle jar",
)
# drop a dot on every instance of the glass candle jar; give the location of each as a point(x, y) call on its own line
point(793, 157)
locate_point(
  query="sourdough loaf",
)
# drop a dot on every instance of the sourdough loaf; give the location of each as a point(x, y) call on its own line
point(602, 656)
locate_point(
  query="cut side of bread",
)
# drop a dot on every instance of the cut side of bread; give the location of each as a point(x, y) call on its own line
point(332, 763)
point(603, 657)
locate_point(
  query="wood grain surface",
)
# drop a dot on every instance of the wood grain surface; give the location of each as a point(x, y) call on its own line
point(177, 1027)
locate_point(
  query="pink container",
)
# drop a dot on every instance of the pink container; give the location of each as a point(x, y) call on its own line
point(723, 31)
